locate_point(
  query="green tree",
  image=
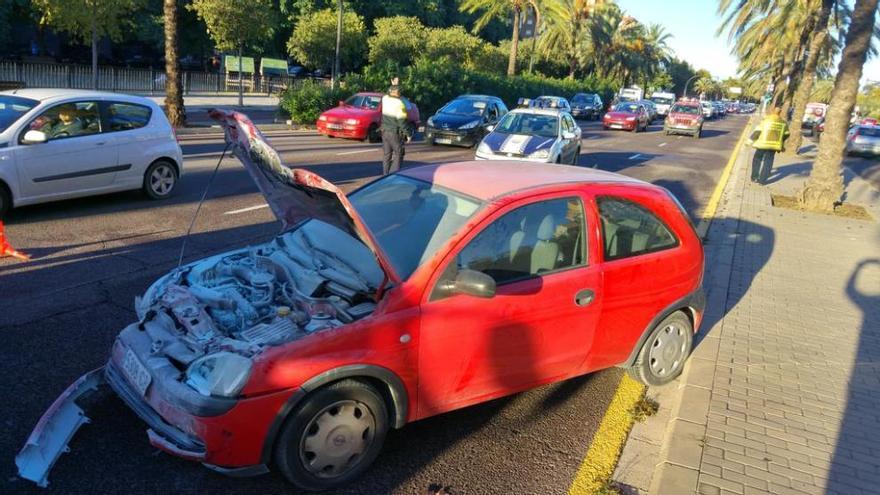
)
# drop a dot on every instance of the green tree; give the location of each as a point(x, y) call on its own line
point(88, 20)
point(456, 44)
point(313, 42)
point(824, 187)
point(397, 40)
point(499, 9)
point(567, 30)
point(237, 24)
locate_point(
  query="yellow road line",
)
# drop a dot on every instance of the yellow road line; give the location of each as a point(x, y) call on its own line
point(712, 206)
point(601, 459)
point(598, 465)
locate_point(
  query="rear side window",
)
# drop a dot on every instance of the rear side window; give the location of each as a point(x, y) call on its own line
point(127, 116)
point(869, 131)
point(629, 229)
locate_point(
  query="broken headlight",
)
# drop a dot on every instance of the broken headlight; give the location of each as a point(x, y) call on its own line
point(222, 374)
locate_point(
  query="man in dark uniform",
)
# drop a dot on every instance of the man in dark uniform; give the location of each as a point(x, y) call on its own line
point(395, 130)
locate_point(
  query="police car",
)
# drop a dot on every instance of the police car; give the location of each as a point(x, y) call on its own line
point(537, 133)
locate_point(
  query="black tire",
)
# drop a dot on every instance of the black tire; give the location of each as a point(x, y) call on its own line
point(290, 447)
point(666, 131)
point(373, 134)
point(5, 200)
point(156, 185)
point(699, 133)
point(675, 330)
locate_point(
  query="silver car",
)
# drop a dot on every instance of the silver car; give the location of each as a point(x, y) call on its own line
point(59, 144)
point(863, 140)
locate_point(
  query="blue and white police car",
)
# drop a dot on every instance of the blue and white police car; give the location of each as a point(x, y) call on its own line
point(534, 134)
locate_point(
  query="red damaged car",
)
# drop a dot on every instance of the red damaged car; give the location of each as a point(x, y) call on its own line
point(628, 116)
point(432, 289)
point(359, 117)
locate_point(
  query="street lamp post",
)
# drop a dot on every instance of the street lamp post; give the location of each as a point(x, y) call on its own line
point(334, 81)
point(686, 85)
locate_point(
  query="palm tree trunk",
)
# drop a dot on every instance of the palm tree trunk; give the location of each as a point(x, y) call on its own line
point(535, 30)
point(824, 188)
point(514, 44)
point(173, 91)
point(820, 33)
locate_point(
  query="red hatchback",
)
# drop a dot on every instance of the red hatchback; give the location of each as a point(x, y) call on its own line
point(425, 291)
point(628, 116)
point(359, 117)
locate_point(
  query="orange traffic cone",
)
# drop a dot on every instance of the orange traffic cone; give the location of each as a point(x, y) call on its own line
point(7, 250)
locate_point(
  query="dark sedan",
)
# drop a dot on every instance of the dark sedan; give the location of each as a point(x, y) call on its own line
point(586, 106)
point(464, 121)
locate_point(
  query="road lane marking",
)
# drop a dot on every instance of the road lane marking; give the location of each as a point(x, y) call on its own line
point(594, 137)
point(356, 151)
point(636, 156)
point(661, 145)
point(245, 210)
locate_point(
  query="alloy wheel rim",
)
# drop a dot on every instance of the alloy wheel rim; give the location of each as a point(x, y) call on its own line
point(162, 180)
point(336, 438)
point(668, 351)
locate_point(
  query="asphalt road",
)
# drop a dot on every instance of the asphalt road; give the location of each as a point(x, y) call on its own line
point(60, 312)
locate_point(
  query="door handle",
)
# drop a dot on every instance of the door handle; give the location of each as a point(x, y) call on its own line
point(584, 297)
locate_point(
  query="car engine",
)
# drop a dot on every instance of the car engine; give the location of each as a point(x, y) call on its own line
point(311, 279)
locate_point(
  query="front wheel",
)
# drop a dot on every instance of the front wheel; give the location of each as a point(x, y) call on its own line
point(699, 133)
point(373, 134)
point(160, 179)
point(333, 437)
point(5, 200)
point(662, 356)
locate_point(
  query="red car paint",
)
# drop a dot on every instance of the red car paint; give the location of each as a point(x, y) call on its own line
point(355, 122)
point(451, 359)
point(626, 116)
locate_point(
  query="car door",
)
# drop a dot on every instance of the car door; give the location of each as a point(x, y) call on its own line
point(539, 325)
point(125, 128)
point(75, 159)
point(569, 143)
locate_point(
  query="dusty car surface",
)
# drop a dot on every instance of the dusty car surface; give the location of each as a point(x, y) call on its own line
point(425, 291)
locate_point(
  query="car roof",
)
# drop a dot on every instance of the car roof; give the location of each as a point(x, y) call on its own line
point(50, 95)
point(476, 97)
point(486, 180)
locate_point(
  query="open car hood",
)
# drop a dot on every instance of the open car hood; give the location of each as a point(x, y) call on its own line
point(294, 194)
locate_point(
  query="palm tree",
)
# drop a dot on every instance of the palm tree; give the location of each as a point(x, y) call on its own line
point(712, 88)
point(615, 41)
point(500, 9)
point(824, 188)
point(568, 30)
point(173, 88)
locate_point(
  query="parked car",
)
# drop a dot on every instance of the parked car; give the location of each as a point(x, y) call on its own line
point(428, 290)
point(651, 109)
point(629, 116)
point(59, 144)
point(544, 135)
point(464, 121)
point(586, 105)
point(709, 111)
point(296, 71)
point(684, 118)
point(863, 140)
point(811, 127)
point(359, 117)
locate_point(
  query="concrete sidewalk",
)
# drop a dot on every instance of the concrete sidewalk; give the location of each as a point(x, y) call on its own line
point(782, 393)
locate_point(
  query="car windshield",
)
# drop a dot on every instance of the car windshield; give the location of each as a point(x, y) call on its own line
point(661, 100)
point(465, 106)
point(583, 98)
point(364, 101)
point(627, 107)
point(531, 124)
point(411, 219)
point(13, 107)
point(690, 109)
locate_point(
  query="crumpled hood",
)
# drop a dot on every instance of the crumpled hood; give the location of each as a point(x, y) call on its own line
point(520, 144)
point(294, 194)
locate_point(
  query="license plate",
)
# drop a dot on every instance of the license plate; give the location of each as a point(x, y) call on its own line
point(136, 373)
point(681, 127)
point(334, 126)
point(443, 141)
point(616, 126)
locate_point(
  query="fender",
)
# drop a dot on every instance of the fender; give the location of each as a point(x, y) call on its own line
point(396, 390)
point(695, 301)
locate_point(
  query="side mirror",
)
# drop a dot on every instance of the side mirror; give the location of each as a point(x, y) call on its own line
point(490, 127)
point(34, 137)
point(472, 283)
point(568, 135)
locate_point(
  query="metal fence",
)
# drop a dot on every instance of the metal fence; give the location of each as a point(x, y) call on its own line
point(145, 81)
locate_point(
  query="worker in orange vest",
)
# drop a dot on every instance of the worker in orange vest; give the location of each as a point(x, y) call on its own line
point(7, 250)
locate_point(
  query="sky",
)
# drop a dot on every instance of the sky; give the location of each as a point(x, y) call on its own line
point(692, 24)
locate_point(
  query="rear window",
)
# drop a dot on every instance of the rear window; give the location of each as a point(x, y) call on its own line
point(869, 131)
point(127, 116)
point(629, 229)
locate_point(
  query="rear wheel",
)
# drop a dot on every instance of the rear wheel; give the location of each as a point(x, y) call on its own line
point(662, 356)
point(699, 133)
point(160, 179)
point(333, 437)
point(5, 200)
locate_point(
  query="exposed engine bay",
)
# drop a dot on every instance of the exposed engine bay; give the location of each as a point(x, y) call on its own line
point(314, 278)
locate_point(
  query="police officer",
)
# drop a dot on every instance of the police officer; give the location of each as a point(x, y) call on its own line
point(395, 130)
point(767, 139)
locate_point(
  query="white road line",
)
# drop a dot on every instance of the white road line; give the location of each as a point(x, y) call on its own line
point(245, 210)
point(594, 137)
point(661, 145)
point(356, 151)
point(636, 156)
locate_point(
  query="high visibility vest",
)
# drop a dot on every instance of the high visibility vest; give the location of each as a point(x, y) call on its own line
point(770, 135)
point(393, 113)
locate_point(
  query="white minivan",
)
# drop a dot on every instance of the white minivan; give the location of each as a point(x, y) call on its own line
point(58, 144)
